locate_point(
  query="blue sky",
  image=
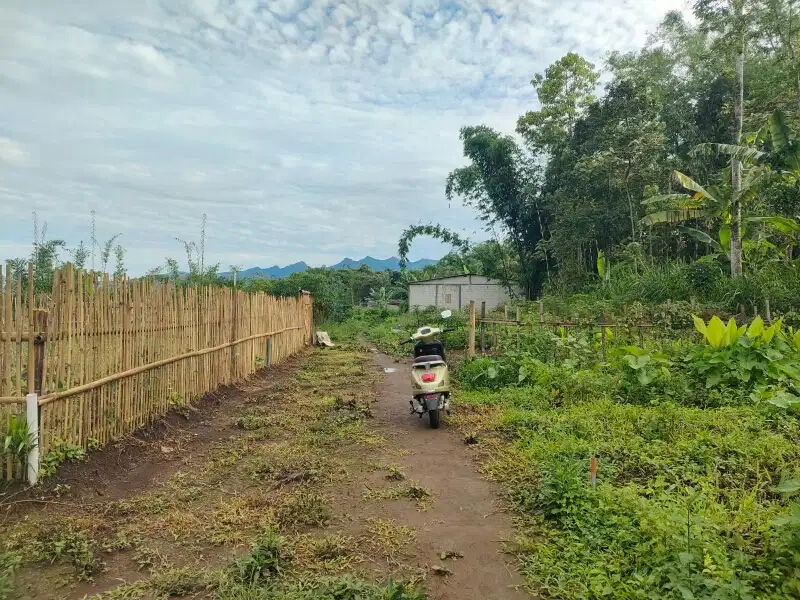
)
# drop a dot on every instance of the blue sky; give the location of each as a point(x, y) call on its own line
point(305, 129)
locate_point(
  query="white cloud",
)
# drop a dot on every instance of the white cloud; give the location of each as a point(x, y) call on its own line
point(279, 119)
point(13, 153)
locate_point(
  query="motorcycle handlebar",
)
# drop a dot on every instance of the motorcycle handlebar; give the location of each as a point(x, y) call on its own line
point(406, 341)
point(446, 329)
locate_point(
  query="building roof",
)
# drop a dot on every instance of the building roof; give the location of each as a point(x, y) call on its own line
point(488, 279)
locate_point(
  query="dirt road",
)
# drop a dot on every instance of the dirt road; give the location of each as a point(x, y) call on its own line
point(322, 450)
point(465, 516)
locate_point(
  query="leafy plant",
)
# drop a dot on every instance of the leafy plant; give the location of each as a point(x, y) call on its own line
point(751, 355)
point(61, 452)
point(643, 365)
point(19, 440)
point(267, 559)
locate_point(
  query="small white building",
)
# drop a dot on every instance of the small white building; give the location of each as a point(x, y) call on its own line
point(456, 292)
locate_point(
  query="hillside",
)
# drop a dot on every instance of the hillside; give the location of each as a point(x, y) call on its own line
point(376, 264)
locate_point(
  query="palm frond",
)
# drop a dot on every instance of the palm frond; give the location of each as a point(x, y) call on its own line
point(671, 216)
point(783, 224)
point(701, 236)
point(691, 184)
point(744, 154)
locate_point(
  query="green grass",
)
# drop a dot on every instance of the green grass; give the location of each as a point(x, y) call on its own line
point(685, 505)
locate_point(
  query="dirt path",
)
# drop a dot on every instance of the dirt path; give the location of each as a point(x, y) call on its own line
point(464, 516)
point(323, 451)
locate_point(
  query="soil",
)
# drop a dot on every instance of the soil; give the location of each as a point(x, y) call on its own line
point(466, 516)
point(457, 533)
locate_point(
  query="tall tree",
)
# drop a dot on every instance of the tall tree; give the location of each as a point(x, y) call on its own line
point(730, 20)
point(778, 23)
point(498, 184)
point(565, 91)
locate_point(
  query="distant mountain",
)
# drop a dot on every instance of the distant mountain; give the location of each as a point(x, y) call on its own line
point(387, 264)
point(274, 272)
point(376, 264)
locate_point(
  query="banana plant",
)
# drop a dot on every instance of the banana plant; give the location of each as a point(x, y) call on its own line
point(714, 203)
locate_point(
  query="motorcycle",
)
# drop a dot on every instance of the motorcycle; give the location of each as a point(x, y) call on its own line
point(430, 377)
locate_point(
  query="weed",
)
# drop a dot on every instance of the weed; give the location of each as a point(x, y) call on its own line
point(178, 581)
point(18, 440)
point(148, 559)
point(388, 537)
point(412, 490)
point(66, 545)
point(9, 563)
point(303, 508)
point(255, 418)
point(267, 560)
point(61, 452)
point(394, 473)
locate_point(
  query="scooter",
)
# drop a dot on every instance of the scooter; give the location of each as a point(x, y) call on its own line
point(430, 377)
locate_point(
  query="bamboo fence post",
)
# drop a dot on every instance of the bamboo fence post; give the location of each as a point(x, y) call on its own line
point(234, 305)
point(541, 312)
point(8, 355)
point(767, 312)
point(471, 334)
point(18, 314)
point(33, 333)
point(519, 324)
point(483, 328)
point(39, 321)
point(494, 337)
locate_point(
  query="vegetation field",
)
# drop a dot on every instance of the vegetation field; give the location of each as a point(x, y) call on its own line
point(697, 442)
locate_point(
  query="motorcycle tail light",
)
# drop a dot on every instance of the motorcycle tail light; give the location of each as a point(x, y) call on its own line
point(428, 377)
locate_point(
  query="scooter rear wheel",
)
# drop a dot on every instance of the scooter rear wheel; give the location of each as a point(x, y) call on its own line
point(433, 415)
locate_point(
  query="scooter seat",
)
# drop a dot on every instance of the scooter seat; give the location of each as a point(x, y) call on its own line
point(428, 358)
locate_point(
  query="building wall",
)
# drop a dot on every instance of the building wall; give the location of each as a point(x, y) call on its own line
point(456, 292)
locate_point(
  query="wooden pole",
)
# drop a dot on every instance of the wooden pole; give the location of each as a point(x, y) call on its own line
point(603, 334)
point(471, 338)
point(541, 313)
point(483, 328)
point(234, 305)
point(32, 325)
point(519, 324)
point(767, 311)
point(40, 324)
point(494, 336)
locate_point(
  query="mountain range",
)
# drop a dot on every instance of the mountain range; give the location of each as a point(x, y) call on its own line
point(376, 264)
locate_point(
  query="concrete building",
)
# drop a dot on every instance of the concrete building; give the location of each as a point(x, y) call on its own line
point(456, 292)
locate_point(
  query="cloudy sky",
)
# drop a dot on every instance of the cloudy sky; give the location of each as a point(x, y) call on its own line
point(305, 129)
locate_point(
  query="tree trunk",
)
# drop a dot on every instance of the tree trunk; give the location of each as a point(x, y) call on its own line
point(736, 172)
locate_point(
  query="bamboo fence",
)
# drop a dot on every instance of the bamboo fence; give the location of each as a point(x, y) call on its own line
point(118, 353)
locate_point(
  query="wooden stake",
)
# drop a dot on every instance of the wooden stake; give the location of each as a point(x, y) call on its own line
point(603, 334)
point(471, 333)
point(483, 328)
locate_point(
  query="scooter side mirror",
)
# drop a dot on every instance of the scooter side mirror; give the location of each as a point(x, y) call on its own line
point(397, 330)
point(446, 314)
